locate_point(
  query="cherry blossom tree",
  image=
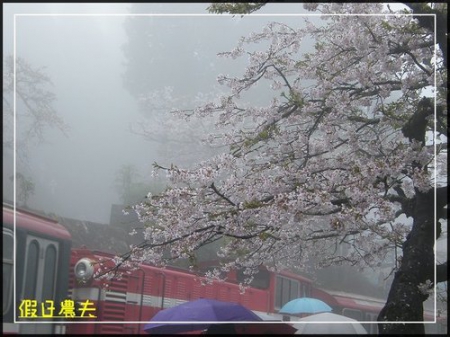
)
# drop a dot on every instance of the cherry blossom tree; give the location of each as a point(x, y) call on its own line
point(343, 152)
point(34, 113)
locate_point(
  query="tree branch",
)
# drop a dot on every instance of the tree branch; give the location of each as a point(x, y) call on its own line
point(427, 22)
point(416, 126)
point(441, 273)
point(221, 195)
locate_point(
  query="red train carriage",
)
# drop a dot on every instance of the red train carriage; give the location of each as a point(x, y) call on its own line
point(139, 295)
point(42, 269)
point(44, 261)
point(281, 287)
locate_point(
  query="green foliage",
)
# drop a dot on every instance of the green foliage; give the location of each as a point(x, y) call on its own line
point(252, 204)
point(264, 135)
point(294, 98)
point(264, 236)
point(319, 46)
point(386, 25)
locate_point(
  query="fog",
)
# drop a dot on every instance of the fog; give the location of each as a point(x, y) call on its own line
point(99, 71)
point(83, 50)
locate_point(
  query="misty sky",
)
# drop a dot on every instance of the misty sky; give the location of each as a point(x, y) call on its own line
point(74, 175)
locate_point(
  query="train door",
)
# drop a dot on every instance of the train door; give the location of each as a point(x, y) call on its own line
point(372, 329)
point(39, 282)
point(134, 301)
point(8, 264)
point(286, 289)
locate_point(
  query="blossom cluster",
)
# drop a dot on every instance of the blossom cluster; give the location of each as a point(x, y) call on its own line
point(321, 162)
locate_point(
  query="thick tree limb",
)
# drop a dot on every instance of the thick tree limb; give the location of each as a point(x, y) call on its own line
point(427, 22)
point(441, 197)
point(441, 273)
point(416, 126)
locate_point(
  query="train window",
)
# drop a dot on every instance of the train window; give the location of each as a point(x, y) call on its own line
point(49, 273)
point(41, 271)
point(371, 317)
point(8, 251)
point(371, 328)
point(261, 280)
point(31, 270)
point(304, 290)
point(285, 290)
point(355, 314)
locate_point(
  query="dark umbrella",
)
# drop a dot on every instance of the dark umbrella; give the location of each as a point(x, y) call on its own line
point(183, 317)
point(251, 329)
point(268, 328)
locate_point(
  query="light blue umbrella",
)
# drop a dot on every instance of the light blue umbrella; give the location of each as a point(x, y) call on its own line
point(305, 305)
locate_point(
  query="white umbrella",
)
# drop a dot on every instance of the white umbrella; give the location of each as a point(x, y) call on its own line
point(350, 326)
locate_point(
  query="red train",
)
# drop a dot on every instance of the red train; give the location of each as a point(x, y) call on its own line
point(41, 268)
point(117, 306)
point(139, 295)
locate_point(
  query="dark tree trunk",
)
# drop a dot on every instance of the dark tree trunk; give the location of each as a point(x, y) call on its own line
point(405, 299)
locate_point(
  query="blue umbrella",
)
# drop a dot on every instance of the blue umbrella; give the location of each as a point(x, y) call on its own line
point(305, 305)
point(201, 310)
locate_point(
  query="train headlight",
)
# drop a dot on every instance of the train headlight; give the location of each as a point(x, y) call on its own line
point(84, 270)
